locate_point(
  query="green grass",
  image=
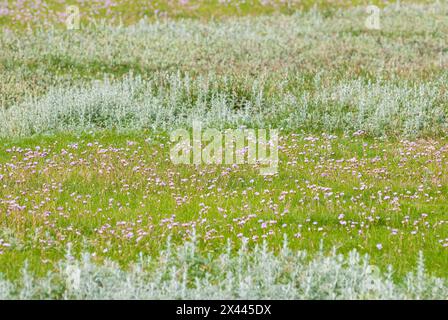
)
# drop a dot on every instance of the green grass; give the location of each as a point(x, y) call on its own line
point(130, 12)
point(58, 184)
point(314, 74)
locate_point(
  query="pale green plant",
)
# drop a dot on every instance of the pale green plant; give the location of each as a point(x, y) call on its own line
point(379, 108)
point(178, 273)
point(304, 71)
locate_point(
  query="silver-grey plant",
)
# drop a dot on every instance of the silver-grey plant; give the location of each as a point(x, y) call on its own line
point(304, 71)
point(256, 273)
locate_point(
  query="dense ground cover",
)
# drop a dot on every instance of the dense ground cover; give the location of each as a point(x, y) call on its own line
point(36, 13)
point(84, 152)
point(342, 76)
point(119, 195)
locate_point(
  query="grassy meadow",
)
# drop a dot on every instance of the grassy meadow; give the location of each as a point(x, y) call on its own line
point(91, 206)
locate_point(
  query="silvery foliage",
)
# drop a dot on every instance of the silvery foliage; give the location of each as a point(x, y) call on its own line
point(133, 103)
point(251, 71)
point(184, 273)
